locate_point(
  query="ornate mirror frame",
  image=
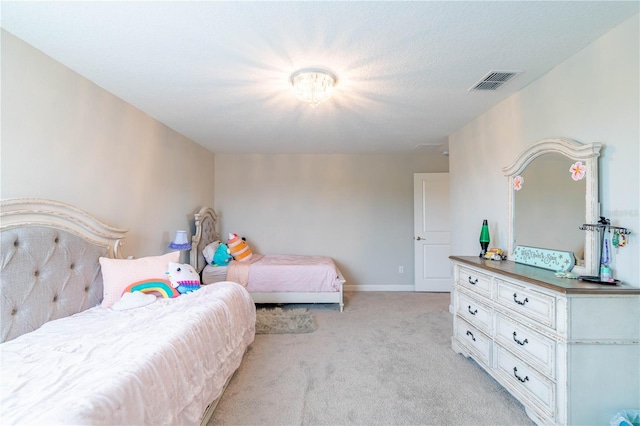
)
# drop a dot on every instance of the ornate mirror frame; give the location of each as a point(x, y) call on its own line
point(588, 154)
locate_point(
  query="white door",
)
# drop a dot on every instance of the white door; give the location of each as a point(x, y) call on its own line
point(431, 232)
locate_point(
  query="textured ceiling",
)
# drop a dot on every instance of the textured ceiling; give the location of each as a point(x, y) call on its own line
point(218, 72)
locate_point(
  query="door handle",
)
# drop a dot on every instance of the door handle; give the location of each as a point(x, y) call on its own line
point(418, 238)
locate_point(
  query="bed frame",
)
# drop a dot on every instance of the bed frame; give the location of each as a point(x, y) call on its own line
point(45, 238)
point(207, 231)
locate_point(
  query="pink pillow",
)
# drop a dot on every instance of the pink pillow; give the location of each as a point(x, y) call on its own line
point(117, 274)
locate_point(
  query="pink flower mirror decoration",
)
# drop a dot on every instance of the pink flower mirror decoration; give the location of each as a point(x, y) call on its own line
point(517, 183)
point(578, 170)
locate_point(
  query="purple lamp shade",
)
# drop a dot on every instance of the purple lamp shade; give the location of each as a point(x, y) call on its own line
point(180, 241)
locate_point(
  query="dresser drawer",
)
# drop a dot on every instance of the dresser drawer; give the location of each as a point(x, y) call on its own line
point(537, 349)
point(475, 340)
point(526, 381)
point(475, 281)
point(532, 304)
point(474, 312)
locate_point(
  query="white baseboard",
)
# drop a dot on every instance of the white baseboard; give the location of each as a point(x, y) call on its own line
point(348, 287)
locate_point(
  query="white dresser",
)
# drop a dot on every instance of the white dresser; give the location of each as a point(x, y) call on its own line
point(568, 350)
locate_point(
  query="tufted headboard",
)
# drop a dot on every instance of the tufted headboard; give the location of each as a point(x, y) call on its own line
point(49, 266)
point(206, 233)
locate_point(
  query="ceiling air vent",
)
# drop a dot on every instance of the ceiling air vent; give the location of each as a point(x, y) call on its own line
point(494, 79)
point(428, 148)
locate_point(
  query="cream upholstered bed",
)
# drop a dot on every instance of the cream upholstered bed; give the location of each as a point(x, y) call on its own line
point(50, 265)
point(206, 222)
point(65, 360)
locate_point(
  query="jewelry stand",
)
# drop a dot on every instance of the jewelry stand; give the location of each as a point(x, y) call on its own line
point(603, 225)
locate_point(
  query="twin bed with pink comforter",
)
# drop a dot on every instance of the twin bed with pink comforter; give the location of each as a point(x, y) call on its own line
point(269, 278)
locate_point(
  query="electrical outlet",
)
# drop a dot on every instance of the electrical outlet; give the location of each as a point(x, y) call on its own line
point(401, 269)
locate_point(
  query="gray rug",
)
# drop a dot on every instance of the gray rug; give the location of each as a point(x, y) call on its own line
point(284, 321)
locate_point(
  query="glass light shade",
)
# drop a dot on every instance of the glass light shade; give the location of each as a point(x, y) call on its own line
point(313, 86)
point(180, 241)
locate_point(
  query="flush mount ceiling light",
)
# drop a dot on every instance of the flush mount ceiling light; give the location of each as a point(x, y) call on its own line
point(313, 85)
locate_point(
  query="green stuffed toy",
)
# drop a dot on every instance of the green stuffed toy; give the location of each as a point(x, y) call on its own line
point(222, 257)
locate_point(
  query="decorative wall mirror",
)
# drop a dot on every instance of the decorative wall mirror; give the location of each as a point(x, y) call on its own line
point(553, 190)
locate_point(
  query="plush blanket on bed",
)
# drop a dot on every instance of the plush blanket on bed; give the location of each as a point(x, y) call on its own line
point(238, 272)
point(158, 364)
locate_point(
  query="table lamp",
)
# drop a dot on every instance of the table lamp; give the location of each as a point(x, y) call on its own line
point(180, 242)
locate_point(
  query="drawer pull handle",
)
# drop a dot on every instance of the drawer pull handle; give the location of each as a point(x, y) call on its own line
point(471, 334)
point(515, 373)
point(474, 282)
point(526, 299)
point(472, 312)
point(521, 343)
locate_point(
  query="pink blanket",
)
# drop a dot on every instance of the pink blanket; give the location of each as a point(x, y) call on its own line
point(288, 273)
point(238, 272)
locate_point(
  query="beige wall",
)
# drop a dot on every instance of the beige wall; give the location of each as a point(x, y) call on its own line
point(65, 138)
point(591, 97)
point(357, 209)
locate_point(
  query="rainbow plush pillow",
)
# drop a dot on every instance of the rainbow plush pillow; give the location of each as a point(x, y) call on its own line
point(161, 287)
point(238, 248)
point(117, 274)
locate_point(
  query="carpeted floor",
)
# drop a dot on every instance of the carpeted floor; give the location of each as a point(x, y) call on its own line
point(385, 360)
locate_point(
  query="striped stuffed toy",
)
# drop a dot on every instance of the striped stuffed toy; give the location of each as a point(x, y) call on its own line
point(238, 248)
point(183, 277)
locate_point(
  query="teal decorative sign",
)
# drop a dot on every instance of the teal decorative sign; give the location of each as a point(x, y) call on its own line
point(554, 260)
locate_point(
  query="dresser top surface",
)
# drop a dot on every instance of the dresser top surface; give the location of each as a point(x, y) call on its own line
point(543, 277)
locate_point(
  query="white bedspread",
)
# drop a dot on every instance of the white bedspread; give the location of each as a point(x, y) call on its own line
point(158, 364)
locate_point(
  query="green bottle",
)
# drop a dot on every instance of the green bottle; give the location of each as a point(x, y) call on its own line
point(484, 238)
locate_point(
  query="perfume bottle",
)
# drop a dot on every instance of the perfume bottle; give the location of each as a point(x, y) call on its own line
point(605, 273)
